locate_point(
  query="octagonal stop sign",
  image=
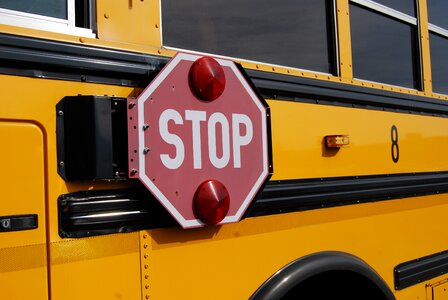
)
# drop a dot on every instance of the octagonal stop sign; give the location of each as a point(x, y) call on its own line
point(199, 140)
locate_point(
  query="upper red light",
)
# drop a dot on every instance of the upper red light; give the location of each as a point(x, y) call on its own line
point(207, 79)
point(211, 202)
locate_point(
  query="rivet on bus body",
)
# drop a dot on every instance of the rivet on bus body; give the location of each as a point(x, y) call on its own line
point(106, 16)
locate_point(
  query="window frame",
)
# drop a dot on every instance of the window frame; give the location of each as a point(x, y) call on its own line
point(387, 11)
point(52, 24)
point(439, 30)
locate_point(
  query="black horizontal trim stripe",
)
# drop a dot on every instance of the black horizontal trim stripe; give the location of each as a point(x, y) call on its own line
point(296, 195)
point(287, 87)
point(57, 60)
point(100, 212)
point(421, 269)
point(40, 58)
point(90, 213)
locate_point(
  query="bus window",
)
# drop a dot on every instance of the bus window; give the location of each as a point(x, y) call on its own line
point(49, 8)
point(63, 16)
point(384, 44)
point(290, 33)
point(438, 38)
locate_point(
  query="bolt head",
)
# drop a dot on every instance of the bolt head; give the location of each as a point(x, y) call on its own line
point(5, 223)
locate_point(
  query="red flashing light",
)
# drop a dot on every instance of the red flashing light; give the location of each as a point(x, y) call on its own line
point(211, 202)
point(207, 79)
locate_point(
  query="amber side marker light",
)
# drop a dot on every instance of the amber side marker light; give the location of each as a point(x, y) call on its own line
point(206, 78)
point(337, 141)
point(211, 202)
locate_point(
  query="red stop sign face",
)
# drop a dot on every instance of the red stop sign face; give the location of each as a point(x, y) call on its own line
point(177, 141)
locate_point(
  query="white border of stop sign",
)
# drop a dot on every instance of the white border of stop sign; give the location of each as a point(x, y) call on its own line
point(185, 223)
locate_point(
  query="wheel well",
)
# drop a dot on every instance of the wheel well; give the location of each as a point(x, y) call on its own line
point(322, 275)
point(338, 284)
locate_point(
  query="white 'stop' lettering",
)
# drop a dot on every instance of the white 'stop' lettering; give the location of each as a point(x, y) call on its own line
point(196, 117)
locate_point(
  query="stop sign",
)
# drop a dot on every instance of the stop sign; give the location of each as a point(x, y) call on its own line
point(186, 142)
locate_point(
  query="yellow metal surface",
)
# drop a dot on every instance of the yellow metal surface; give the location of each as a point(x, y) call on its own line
point(99, 268)
point(36, 99)
point(130, 21)
point(287, 71)
point(22, 253)
point(204, 257)
point(440, 292)
point(232, 261)
point(343, 33)
point(298, 132)
point(424, 46)
point(104, 267)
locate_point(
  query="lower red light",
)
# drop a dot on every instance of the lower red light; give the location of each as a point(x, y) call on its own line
point(211, 202)
point(206, 78)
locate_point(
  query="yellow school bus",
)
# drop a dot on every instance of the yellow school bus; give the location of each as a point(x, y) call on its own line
point(356, 207)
